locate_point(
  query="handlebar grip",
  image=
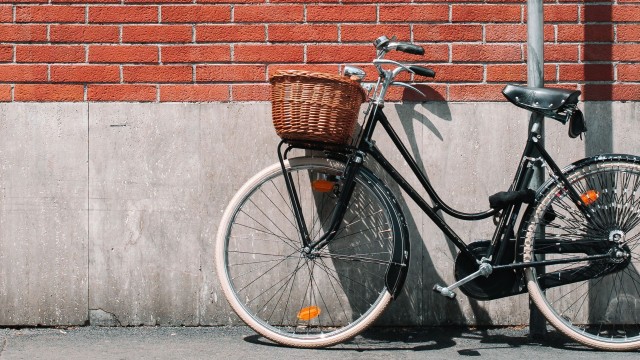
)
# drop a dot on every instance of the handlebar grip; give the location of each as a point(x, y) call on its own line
point(410, 49)
point(422, 71)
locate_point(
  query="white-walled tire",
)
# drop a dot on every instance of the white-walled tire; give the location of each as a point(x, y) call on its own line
point(298, 299)
point(601, 306)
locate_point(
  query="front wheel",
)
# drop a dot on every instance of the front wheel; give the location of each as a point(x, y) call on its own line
point(595, 302)
point(283, 291)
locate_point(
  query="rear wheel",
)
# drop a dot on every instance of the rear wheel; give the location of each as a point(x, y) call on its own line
point(595, 302)
point(286, 294)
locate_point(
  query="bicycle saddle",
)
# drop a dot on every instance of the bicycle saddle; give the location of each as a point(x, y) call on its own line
point(540, 99)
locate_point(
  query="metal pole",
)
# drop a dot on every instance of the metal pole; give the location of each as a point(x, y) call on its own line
point(535, 78)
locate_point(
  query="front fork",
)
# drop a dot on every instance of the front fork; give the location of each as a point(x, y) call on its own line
point(354, 163)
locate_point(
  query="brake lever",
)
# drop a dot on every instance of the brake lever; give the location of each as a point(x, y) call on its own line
point(398, 83)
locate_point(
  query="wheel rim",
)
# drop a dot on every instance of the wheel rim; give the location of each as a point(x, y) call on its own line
point(303, 296)
point(605, 309)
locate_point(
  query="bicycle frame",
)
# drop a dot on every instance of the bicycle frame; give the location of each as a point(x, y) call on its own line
point(508, 216)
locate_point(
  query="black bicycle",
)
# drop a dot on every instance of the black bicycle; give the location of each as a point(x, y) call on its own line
point(312, 249)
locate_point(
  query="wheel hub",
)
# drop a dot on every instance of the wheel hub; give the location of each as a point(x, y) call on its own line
point(617, 236)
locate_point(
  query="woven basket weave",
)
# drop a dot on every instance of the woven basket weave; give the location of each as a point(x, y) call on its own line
point(313, 106)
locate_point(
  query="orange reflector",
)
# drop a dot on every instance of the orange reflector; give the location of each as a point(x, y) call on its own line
point(308, 313)
point(589, 197)
point(322, 185)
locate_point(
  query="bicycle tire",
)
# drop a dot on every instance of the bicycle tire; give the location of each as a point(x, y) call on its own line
point(598, 303)
point(298, 300)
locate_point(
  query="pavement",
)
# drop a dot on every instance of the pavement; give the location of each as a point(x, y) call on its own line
point(242, 343)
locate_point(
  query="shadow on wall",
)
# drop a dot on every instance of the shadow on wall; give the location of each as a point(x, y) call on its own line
point(598, 54)
point(417, 304)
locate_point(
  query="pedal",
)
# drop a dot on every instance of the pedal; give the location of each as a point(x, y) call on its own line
point(444, 291)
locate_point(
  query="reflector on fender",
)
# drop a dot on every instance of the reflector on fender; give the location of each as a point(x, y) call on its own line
point(308, 313)
point(589, 197)
point(322, 185)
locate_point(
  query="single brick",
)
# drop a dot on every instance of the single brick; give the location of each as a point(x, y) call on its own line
point(585, 33)
point(123, 14)
point(586, 72)
point(84, 34)
point(159, 2)
point(560, 53)
point(6, 53)
point(48, 92)
point(606, 92)
point(50, 14)
point(611, 13)
point(23, 73)
point(223, 1)
point(503, 73)
point(50, 53)
point(487, 53)
point(475, 92)
point(413, 13)
point(628, 33)
point(121, 92)
point(6, 13)
point(458, 73)
point(559, 13)
point(196, 53)
point(157, 73)
point(447, 33)
point(611, 52)
point(514, 33)
point(123, 54)
point(244, 53)
point(340, 53)
point(25, 1)
point(196, 13)
point(303, 33)
point(486, 13)
point(194, 93)
point(83, 1)
point(156, 33)
point(251, 92)
point(231, 73)
point(23, 33)
point(367, 33)
point(629, 72)
point(5, 93)
point(341, 13)
point(268, 13)
point(230, 33)
point(85, 73)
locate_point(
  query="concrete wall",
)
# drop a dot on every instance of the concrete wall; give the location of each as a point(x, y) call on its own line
point(108, 211)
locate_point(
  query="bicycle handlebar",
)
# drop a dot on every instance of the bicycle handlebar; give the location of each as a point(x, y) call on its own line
point(383, 46)
point(422, 71)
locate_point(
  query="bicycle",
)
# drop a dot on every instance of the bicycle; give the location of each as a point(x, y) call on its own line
point(312, 249)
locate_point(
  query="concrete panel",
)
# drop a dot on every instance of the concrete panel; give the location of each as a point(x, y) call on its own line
point(238, 140)
point(43, 214)
point(160, 176)
point(144, 196)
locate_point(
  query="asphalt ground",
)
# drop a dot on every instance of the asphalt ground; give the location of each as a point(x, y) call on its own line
point(242, 343)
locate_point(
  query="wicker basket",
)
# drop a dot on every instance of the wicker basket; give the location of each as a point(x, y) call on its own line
point(313, 106)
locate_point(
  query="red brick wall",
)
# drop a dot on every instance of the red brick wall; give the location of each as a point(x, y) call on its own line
point(224, 50)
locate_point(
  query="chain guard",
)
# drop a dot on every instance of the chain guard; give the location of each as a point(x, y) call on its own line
point(499, 284)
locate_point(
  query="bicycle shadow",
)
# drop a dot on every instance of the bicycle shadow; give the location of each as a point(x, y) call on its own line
point(469, 342)
point(418, 304)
